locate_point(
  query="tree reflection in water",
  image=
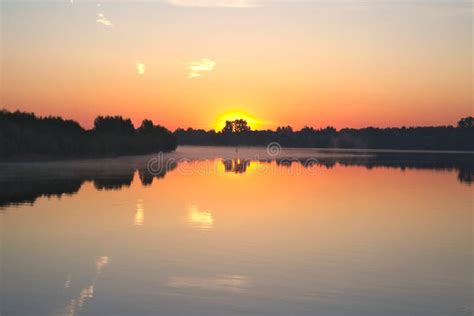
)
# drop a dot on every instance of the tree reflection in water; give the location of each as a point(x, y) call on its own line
point(23, 184)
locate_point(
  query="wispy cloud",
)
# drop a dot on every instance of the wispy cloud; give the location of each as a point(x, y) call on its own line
point(198, 68)
point(214, 3)
point(103, 20)
point(140, 68)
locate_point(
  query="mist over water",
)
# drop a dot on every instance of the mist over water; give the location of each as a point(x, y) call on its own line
point(238, 231)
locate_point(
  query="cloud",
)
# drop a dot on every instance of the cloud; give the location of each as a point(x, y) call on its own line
point(214, 3)
point(140, 68)
point(103, 20)
point(196, 68)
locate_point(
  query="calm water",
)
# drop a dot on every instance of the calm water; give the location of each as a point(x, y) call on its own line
point(239, 232)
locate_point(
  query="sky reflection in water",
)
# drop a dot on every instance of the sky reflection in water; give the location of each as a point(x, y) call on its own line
point(354, 237)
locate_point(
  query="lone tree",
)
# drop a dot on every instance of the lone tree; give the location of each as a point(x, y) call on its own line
point(236, 126)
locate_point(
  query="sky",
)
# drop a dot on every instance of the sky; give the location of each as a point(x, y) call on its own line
point(195, 63)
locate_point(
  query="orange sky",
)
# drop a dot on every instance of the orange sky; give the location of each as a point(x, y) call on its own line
point(287, 63)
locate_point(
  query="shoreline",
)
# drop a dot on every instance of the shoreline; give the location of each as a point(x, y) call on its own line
point(48, 159)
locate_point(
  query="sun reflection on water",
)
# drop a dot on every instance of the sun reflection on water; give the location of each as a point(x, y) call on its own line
point(219, 283)
point(202, 220)
point(139, 214)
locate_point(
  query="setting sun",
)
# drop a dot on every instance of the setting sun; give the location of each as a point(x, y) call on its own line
point(231, 115)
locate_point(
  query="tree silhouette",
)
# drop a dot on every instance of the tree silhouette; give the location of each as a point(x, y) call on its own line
point(229, 127)
point(146, 127)
point(466, 122)
point(237, 132)
point(241, 126)
point(113, 124)
point(236, 126)
point(26, 136)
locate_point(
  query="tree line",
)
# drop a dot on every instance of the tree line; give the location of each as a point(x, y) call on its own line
point(27, 136)
point(238, 133)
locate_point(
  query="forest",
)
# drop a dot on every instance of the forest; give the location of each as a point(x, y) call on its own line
point(25, 136)
point(238, 133)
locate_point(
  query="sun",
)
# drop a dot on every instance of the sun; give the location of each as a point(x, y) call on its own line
point(234, 115)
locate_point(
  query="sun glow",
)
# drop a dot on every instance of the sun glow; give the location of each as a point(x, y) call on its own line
point(203, 220)
point(234, 115)
point(140, 214)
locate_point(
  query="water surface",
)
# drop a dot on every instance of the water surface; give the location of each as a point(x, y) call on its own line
point(225, 231)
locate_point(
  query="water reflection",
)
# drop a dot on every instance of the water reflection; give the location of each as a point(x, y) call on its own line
point(202, 220)
point(236, 165)
point(113, 182)
point(67, 284)
point(352, 235)
point(24, 183)
point(76, 304)
point(139, 214)
point(220, 283)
